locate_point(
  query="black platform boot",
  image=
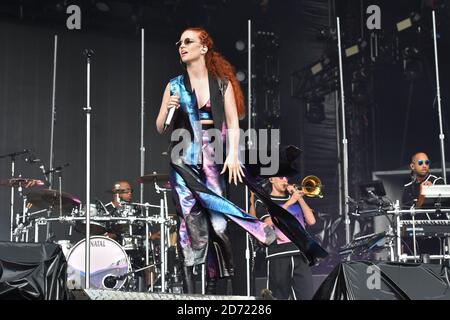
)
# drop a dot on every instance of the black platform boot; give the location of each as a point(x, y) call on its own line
point(188, 280)
point(211, 286)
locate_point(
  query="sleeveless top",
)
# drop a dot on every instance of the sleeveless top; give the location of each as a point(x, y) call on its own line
point(205, 112)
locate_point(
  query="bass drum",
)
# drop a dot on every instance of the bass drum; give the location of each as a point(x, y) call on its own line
point(108, 263)
point(66, 245)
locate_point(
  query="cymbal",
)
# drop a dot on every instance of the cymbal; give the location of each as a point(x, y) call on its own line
point(153, 177)
point(48, 198)
point(21, 182)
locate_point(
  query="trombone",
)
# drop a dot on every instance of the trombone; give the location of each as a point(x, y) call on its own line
point(311, 186)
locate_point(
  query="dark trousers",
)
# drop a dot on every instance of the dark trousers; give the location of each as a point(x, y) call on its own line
point(290, 277)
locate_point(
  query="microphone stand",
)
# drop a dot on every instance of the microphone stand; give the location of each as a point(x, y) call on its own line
point(250, 275)
point(124, 276)
point(142, 148)
point(53, 117)
point(60, 191)
point(13, 163)
point(438, 96)
point(88, 53)
point(50, 173)
point(344, 138)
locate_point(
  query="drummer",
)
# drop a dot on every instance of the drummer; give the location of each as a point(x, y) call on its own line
point(122, 195)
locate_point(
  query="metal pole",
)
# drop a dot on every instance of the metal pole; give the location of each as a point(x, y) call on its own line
point(339, 154)
point(250, 145)
point(24, 214)
point(203, 278)
point(438, 96)
point(147, 258)
point(13, 160)
point(53, 118)
point(344, 139)
point(250, 142)
point(163, 246)
point(166, 230)
point(398, 230)
point(142, 149)
point(36, 231)
point(88, 53)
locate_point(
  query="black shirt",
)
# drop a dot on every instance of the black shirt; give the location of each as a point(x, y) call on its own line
point(411, 190)
point(411, 195)
point(282, 246)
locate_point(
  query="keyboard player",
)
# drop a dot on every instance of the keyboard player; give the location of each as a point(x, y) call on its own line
point(420, 176)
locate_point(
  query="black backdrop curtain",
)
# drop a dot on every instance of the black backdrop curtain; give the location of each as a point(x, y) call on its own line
point(26, 62)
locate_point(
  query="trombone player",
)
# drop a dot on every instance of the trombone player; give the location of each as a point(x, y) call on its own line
point(288, 271)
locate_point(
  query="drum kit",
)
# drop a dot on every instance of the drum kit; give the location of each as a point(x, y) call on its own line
point(130, 249)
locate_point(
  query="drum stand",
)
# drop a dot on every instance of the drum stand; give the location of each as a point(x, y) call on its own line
point(163, 220)
point(164, 234)
point(13, 162)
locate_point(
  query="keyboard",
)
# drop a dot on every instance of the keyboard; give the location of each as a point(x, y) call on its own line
point(426, 228)
point(364, 243)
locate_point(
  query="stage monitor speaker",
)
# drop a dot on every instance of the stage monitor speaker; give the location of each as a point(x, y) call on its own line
point(32, 271)
point(261, 283)
point(366, 280)
point(95, 294)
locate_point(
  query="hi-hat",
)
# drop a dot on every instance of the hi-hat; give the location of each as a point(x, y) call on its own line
point(48, 198)
point(21, 182)
point(153, 177)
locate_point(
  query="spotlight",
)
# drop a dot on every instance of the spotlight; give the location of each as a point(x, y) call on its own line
point(355, 49)
point(319, 66)
point(240, 45)
point(408, 22)
point(351, 51)
point(241, 76)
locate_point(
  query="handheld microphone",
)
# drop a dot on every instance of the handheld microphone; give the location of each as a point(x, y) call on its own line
point(88, 53)
point(169, 117)
point(57, 169)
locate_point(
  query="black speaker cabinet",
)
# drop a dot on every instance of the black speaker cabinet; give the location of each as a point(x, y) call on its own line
point(32, 271)
point(366, 280)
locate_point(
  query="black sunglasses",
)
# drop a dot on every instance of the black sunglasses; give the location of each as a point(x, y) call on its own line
point(186, 42)
point(125, 191)
point(420, 162)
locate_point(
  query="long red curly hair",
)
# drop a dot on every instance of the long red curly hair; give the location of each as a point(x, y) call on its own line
point(221, 68)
